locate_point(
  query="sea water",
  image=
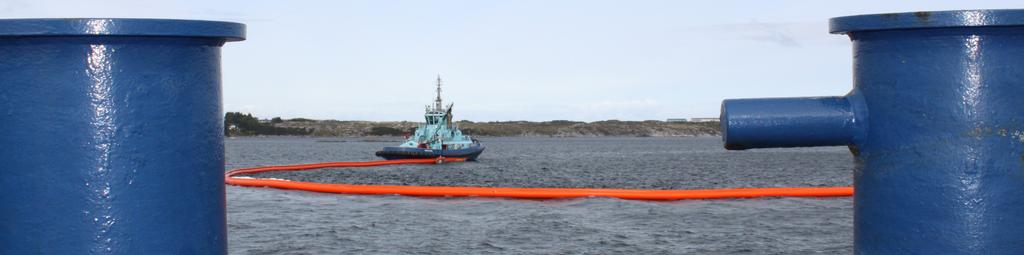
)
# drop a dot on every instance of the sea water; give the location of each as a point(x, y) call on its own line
point(271, 221)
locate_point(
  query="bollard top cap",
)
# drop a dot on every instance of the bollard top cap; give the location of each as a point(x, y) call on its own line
point(932, 19)
point(229, 31)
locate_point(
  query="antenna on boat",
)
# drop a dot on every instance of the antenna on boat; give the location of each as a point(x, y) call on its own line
point(437, 102)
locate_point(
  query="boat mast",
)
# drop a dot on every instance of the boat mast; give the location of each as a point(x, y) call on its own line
point(437, 102)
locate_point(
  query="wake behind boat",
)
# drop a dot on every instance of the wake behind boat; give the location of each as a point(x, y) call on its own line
point(439, 136)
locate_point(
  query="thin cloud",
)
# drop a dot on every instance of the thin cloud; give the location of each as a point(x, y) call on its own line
point(618, 105)
point(12, 6)
point(233, 15)
point(782, 34)
point(615, 109)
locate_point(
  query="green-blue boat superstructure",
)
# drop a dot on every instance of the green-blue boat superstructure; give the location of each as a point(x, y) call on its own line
point(439, 136)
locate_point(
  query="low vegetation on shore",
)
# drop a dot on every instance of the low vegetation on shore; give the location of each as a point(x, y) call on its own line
point(238, 124)
point(557, 128)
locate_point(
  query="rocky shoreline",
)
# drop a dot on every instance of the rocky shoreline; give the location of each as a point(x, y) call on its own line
point(558, 128)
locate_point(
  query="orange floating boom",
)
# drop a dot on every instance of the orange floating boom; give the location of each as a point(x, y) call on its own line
point(527, 193)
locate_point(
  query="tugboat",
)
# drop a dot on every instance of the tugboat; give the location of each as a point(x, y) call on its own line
point(438, 137)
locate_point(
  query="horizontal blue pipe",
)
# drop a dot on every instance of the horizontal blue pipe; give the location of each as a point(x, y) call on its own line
point(787, 122)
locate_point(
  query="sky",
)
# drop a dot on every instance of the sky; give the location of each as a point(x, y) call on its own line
point(535, 60)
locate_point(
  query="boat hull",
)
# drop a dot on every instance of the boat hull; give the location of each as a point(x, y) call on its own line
point(391, 153)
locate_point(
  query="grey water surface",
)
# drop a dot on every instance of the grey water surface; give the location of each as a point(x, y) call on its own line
point(271, 221)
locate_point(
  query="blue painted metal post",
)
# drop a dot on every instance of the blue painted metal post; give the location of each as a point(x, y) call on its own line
point(111, 139)
point(936, 125)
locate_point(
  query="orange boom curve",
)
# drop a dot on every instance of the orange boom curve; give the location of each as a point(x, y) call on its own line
point(527, 193)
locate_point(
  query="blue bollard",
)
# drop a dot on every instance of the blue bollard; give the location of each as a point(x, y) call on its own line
point(111, 139)
point(935, 122)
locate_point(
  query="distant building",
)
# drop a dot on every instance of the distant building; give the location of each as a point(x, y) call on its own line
point(703, 119)
point(676, 120)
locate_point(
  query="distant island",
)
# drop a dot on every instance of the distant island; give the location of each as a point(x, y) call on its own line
point(239, 124)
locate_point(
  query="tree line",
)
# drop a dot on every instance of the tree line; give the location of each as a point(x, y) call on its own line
point(239, 124)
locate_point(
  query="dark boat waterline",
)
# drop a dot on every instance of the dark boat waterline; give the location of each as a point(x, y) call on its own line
point(395, 152)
